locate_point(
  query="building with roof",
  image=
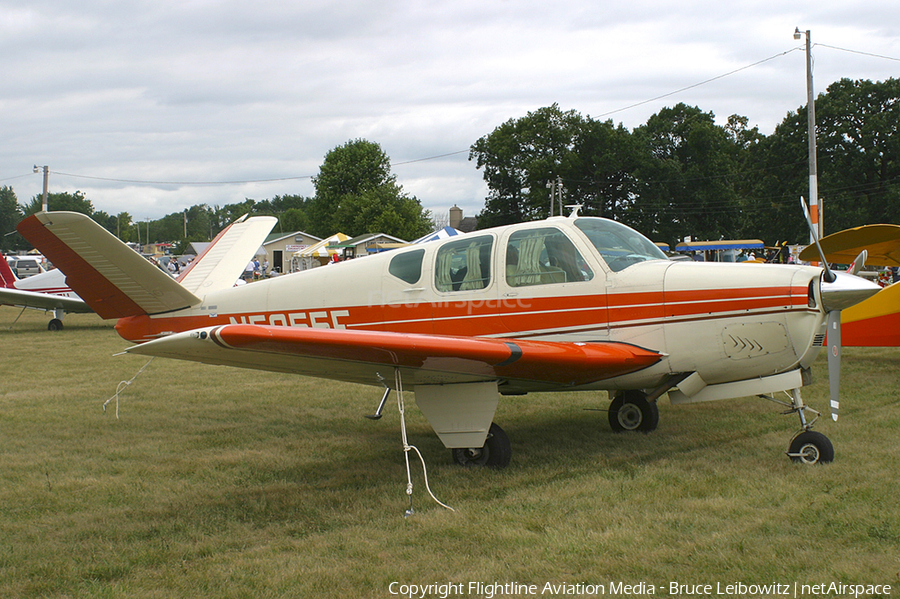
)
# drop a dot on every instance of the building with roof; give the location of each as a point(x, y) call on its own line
point(463, 224)
point(370, 243)
point(281, 247)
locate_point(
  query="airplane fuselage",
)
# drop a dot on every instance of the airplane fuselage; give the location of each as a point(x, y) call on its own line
point(577, 280)
point(52, 282)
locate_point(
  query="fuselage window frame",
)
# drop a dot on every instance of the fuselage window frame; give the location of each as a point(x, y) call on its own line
point(464, 265)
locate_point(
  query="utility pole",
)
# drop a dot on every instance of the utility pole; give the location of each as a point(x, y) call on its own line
point(46, 186)
point(556, 187)
point(815, 211)
point(551, 185)
point(559, 188)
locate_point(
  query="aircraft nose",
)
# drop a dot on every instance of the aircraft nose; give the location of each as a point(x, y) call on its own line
point(846, 290)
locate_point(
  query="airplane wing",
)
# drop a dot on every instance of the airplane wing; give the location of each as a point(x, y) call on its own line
point(369, 357)
point(42, 301)
point(222, 263)
point(112, 279)
point(881, 241)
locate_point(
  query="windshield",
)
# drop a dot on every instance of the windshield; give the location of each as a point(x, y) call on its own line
point(619, 245)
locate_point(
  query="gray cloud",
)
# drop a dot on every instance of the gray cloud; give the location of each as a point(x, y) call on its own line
point(237, 91)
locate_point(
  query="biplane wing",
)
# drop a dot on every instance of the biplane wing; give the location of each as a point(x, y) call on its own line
point(881, 241)
point(874, 322)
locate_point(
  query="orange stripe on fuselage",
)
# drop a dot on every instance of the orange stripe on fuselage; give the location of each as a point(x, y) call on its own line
point(494, 317)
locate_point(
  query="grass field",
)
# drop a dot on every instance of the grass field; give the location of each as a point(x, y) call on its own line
point(217, 482)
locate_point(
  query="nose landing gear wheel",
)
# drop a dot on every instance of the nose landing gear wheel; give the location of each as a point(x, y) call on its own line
point(632, 411)
point(495, 453)
point(811, 447)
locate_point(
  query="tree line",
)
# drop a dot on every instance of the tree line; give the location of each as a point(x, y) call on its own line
point(679, 174)
point(355, 194)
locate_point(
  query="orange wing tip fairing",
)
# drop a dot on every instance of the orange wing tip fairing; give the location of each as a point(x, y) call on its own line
point(546, 361)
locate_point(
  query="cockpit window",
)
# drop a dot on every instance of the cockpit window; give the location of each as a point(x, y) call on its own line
point(620, 246)
point(543, 257)
point(464, 265)
point(407, 266)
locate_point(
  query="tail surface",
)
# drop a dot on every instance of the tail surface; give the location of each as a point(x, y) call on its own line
point(7, 277)
point(114, 280)
point(223, 261)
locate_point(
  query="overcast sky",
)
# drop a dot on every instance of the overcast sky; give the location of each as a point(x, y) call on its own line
point(134, 103)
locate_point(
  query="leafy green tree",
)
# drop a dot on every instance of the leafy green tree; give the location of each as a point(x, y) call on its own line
point(356, 193)
point(10, 215)
point(519, 158)
point(199, 223)
point(280, 204)
point(231, 212)
point(688, 164)
point(858, 162)
point(859, 148)
point(294, 219)
point(123, 227)
point(62, 202)
point(599, 172)
point(779, 167)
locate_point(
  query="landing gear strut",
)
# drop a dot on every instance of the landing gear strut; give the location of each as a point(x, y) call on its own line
point(495, 453)
point(807, 446)
point(632, 411)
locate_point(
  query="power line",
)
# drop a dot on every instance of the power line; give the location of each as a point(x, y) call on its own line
point(239, 182)
point(199, 183)
point(678, 91)
point(859, 52)
point(302, 177)
point(17, 177)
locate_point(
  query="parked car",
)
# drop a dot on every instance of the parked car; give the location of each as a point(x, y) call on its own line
point(26, 267)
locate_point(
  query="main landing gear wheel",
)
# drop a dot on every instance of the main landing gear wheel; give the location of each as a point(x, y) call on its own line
point(811, 447)
point(632, 411)
point(55, 325)
point(495, 453)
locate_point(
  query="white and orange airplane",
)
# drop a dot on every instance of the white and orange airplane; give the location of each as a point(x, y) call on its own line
point(563, 304)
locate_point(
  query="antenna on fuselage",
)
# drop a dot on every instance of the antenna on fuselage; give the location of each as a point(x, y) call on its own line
point(575, 208)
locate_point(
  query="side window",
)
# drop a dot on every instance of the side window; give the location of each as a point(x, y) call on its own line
point(463, 265)
point(407, 266)
point(543, 257)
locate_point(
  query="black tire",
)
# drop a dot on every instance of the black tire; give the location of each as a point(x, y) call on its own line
point(631, 411)
point(496, 452)
point(55, 325)
point(811, 447)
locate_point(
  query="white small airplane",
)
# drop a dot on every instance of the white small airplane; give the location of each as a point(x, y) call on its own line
point(46, 291)
point(563, 304)
point(218, 266)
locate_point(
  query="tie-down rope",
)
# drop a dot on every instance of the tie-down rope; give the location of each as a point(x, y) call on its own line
point(398, 380)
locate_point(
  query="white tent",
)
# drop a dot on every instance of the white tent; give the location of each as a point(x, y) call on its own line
point(313, 256)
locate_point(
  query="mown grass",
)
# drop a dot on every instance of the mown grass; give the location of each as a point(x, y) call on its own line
point(220, 482)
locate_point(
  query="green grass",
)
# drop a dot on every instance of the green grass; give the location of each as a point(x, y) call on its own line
point(220, 482)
